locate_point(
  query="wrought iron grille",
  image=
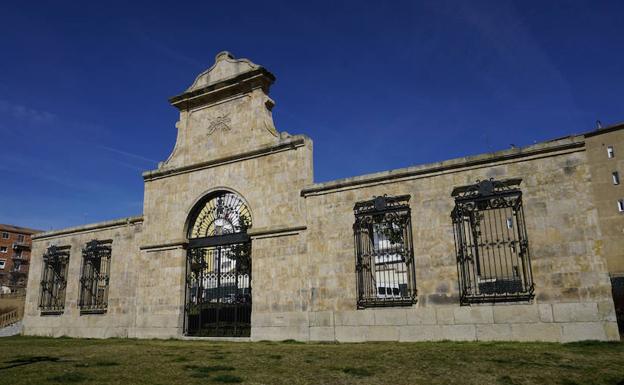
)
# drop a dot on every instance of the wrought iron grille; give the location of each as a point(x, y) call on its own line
point(218, 279)
point(219, 291)
point(54, 280)
point(95, 276)
point(224, 213)
point(384, 263)
point(491, 243)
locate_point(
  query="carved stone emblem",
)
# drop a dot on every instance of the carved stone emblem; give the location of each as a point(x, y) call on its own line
point(220, 122)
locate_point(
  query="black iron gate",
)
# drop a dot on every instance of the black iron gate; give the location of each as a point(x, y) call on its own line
point(218, 283)
point(218, 268)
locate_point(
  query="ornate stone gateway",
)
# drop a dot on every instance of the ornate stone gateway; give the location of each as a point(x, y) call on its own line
point(218, 269)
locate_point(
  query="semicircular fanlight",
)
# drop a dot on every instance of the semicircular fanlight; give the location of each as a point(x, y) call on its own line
point(223, 213)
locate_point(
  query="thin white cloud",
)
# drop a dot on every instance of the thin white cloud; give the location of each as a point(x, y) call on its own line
point(23, 113)
point(128, 154)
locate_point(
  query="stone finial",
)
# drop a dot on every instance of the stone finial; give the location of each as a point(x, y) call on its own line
point(223, 55)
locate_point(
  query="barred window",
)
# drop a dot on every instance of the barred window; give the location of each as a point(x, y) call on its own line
point(384, 257)
point(94, 277)
point(491, 243)
point(54, 280)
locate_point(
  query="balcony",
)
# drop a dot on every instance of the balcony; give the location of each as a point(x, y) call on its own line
point(21, 246)
point(18, 270)
point(18, 257)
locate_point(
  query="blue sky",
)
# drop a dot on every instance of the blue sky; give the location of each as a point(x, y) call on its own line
point(377, 85)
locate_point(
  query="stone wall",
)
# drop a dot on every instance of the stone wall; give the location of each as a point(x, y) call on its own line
point(119, 318)
point(303, 258)
point(572, 300)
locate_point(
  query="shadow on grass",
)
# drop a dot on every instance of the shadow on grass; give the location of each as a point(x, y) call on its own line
point(357, 372)
point(28, 360)
point(96, 364)
point(207, 371)
point(68, 378)
point(227, 378)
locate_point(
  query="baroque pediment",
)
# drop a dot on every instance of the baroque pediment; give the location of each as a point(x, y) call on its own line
point(225, 67)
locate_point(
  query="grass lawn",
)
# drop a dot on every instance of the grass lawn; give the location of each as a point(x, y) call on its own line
point(31, 360)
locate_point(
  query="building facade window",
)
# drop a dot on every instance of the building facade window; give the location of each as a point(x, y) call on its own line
point(610, 152)
point(616, 177)
point(621, 205)
point(54, 280)
point(5, 235)
point(3, 249)
point(384, 263)
point(95, 276)
point(2, 264)
point(20, 237)
point(491, 243)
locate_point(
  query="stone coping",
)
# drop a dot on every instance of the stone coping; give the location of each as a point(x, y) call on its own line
point(292, 142)
point(89, 227)
point(223, 339)
point(604, 130)
point(182, 243)
point(572, 143)
point(262, 231)
point(254, 233)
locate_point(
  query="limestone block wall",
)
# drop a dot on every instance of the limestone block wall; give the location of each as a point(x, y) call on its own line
point(270, 181)
point(160, 293)
point(120, 315)
point(572, 301)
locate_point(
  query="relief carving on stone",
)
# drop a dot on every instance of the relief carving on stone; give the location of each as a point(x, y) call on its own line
point(220, 122)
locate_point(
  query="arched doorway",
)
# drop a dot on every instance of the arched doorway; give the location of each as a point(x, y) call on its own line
point(218, 268)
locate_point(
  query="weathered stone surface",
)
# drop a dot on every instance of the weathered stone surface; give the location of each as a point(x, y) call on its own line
point(421, 316)
point(575, 312)
point(516, 314)
point(473, 315)
point(391, 317)
point(546, 332)
point(545, 312)
point(355, 318)
point(456, 332)
point(579, 331)
point(322, 334)
point(494, 332)
point(413, 333)
point(445, 315)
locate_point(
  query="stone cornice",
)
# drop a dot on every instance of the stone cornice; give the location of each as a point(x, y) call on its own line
point(604, 130)
point(268, 232)
point(264, 232)
point(180, 244)
point(570, 144)
point(289, 144)
point(243, 83)
point(90, 227)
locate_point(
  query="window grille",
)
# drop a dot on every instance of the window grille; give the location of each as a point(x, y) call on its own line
point(491, 244)
point(94, 277)
point(54, 280)
point(384, 256)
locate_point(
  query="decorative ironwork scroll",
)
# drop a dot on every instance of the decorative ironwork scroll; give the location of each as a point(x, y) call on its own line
point(54, 280)
point(491, 243)
point(384, 262)
point(95, 277)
